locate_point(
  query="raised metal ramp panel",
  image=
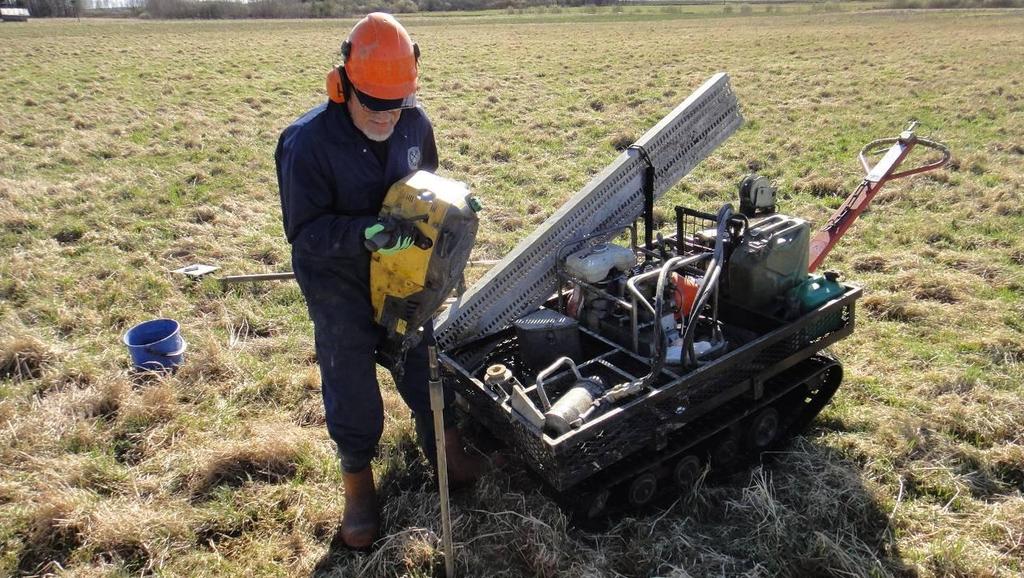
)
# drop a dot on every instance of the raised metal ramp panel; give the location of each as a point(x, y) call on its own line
point(525, 278)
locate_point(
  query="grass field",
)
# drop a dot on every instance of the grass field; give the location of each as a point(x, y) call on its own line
point(130, 148)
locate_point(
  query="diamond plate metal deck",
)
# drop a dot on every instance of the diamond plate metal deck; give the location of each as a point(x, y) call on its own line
point(525, 278)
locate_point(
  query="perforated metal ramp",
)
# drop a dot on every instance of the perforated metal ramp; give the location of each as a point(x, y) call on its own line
point(525, 278)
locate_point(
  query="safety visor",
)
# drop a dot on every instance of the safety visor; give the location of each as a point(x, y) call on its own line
point(384, 104)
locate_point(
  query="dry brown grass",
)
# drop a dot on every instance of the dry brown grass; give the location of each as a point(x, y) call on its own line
point(23, 358)
point(269, 454)
point(135, 535)
point(894, 307)
point(55, 524)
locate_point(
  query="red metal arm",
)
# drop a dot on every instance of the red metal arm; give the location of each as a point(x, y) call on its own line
point(877, 176)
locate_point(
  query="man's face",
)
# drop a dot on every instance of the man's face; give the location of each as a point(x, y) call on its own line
point(377, 126)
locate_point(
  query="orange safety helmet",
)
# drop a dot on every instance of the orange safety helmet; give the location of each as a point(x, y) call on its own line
point(380, 64)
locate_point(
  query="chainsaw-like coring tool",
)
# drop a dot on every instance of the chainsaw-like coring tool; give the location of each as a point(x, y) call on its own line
point(408, 287)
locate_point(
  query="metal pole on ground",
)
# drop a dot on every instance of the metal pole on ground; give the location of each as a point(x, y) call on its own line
point(437, 406)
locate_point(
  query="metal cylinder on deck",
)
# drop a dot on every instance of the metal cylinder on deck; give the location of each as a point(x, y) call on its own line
point(566, 412)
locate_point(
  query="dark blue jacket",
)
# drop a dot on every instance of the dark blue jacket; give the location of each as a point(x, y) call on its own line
point(332, 185)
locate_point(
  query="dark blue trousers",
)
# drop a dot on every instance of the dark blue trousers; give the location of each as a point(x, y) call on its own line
point(347, 337)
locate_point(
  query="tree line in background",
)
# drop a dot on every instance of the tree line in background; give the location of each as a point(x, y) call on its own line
point(332, 8)
point(275, 8)
point(214, 9)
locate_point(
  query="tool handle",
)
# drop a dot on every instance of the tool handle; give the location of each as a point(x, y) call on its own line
point(877, 175)
point(905, 141)
point(946, 155)
point(397, 228)
point(378, 241)
point(547, 373)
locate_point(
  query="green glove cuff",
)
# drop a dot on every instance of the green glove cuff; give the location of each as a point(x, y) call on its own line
point(372, 230)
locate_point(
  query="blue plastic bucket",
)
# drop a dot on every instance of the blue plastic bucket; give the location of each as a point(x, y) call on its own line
point(156, 345)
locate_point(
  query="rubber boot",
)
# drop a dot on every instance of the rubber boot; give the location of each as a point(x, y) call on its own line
point(463, 468)
point(361, 520)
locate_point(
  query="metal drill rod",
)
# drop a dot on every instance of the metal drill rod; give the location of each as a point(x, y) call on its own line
point(288, 275)
point(233, 279)
point(437, 406)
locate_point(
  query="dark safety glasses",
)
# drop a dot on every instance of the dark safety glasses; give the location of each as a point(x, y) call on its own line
point(374, 104)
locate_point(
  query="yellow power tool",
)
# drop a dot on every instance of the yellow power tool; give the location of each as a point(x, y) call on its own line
point(408, 287)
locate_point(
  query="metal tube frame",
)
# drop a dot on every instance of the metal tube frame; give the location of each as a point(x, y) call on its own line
point(674, 264)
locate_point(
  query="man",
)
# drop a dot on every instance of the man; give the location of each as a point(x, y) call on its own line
point(334, 166)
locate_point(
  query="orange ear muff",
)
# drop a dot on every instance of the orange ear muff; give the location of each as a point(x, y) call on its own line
point(335, 85)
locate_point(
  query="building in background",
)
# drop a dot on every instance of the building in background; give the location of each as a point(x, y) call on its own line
point(13, 13)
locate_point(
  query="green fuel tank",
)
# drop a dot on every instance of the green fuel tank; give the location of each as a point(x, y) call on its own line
point(815, 291)
point(770, 260)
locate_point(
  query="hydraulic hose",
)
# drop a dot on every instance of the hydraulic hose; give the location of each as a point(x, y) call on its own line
point(708, 284)
point(710, 281)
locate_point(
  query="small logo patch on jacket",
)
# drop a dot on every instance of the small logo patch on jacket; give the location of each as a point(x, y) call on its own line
point(414, 157)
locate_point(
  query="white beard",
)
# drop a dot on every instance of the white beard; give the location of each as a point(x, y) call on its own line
point(378, 137)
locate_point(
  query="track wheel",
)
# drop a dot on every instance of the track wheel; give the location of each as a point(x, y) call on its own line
point(686, 472)
point(641, 490)
point(594, 505)
point(763, 429)
point(726, 453)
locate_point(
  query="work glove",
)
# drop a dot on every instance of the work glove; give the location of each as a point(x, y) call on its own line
point(389, 236)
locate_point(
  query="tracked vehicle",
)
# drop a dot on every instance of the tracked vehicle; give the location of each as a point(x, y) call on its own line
point(617, 360)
